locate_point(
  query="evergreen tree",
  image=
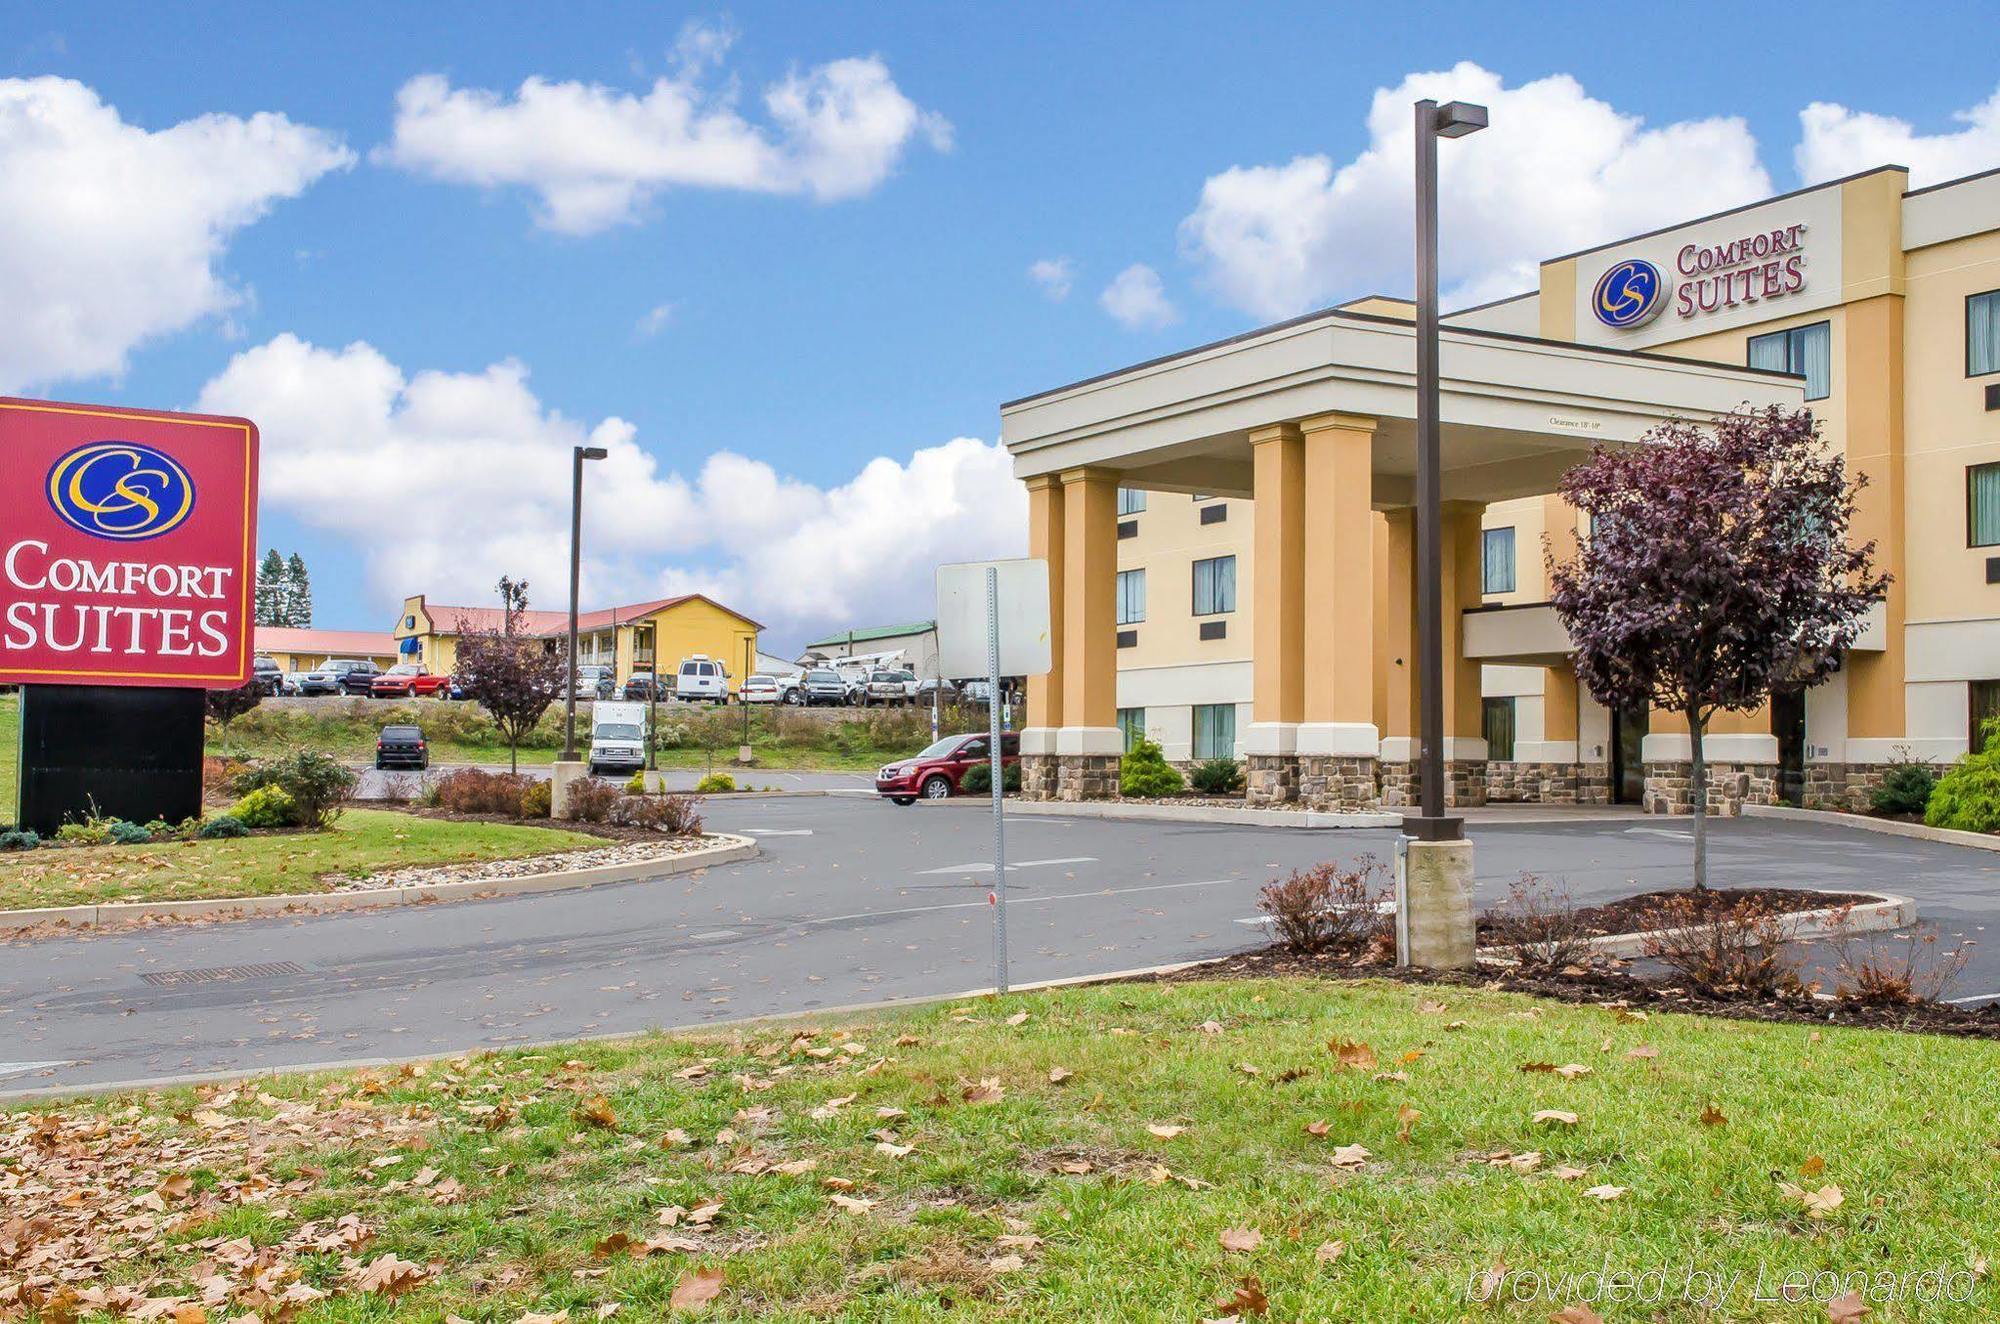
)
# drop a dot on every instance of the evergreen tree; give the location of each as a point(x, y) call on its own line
point(269, 600)
point(299, 612)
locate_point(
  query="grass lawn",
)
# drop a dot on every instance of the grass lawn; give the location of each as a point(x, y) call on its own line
point(360, 842)
point(1205, 1148)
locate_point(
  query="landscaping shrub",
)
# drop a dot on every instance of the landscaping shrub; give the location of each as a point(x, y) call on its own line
point(476, 791)
point(269, 806)
point(318, 785)
point(590, 800)
point(1540, 922)
point(1905, 790)
point(221, 827)
point(1144, 771)
point(716, 783)
point(636, 786)
point(19, 839)
point(682, 817)
point(1329, 909)
point(128, 834)
point(536, 800)
point(1218, 776)
point(1897, 969)
point(398, 788)
point(1731, 949)
point(92, 831)
point(978, 779)
point(1967, 797)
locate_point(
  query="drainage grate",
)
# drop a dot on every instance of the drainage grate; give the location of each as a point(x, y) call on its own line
point(222, 974)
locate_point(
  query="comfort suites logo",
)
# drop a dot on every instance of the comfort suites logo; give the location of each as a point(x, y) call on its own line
point(1630, 294)
point(1712, 278)
point(120, 490)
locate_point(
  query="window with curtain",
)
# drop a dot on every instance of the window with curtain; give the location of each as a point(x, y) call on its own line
point(1498, 719)
point(1132, 721)
point(1131, 500)
point(1215, 730)
point(1807, 350)
point(1985, 710)
point(1982, 333)
point(1982, 505)
point(1131, 596)
point(1496, 561)
point(1215, 585)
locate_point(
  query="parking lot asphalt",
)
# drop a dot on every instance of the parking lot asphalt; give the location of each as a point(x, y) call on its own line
point(853, 901)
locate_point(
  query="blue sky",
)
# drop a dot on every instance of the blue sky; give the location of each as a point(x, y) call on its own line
point(813, 329)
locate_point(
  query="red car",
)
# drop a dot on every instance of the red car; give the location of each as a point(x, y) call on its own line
point(938, 773)
point(407, 680)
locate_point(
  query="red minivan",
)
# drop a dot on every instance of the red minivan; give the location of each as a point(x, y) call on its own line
point(938, 772)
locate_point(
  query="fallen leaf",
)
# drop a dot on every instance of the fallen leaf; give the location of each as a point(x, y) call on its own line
point(1571, 1070)
point(831, 1108)
point(597, 1111)
point(893, 1151)
point(1605, 1192)
point(853, 1204)
point(1555, 1115)
point(1812, 1167)
point(1644, 1051)
point(1357, 1056)
point(1074, 1167)
point(1351, 1156)
point(1712, 1116)
point(696, 1289)
point(1406, 1122)
point(1318, 1128)
point(390, 1276)
point(1329, 1251)
point(988, 1090)
point(1243, 1239)
point(1817, 1204)
point(1057, 1075)
point(1576, 1313)
point(1164, 1131)
point(1018, 1018)
point(1006, 1263)
point(1247, 1299)
point(1567, 1173)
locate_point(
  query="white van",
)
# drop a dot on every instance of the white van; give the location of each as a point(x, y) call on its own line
point(617, 736)
point(701, 677)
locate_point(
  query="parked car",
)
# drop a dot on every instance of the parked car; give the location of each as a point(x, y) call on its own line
point(617, 737)
point(402, 747)
point(760, 688)
point(292, 681)
point(595, 680)
point(820, 685)
point(264, 674)
point(408, 680)
point(939, 771)
point(888, 687)
point(639, 685)
point(945, 691)
point(701, 677)
point(339, 676)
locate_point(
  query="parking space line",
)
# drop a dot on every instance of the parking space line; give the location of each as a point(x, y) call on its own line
point(986, 866)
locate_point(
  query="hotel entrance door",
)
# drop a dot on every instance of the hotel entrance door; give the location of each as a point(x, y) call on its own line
point(1628, 761)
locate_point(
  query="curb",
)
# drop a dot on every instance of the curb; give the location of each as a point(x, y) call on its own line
point(1890, 911)
point(1888, 827)
point(730, 849)
point(1282, 818)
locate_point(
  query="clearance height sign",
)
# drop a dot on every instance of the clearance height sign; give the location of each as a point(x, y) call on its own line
point(126, 546)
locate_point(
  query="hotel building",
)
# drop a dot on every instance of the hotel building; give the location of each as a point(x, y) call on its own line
point(1230, 530)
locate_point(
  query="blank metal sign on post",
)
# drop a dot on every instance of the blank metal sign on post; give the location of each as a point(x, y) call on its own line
point(1024, 618)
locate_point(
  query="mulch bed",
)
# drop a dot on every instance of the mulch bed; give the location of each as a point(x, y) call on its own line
point(1611, 987)
point(609, 831)
point(1631, 914)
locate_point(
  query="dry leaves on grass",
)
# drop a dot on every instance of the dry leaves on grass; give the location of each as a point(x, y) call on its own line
point(1606, 1193)
point(1247, 1299)
point(988, 1089)
point(1847, 1309)
point(1163, 1130)
point(1329, 1251)
point(1555, 1116)
point(1241, 1239)
point(1352, 1056)
point(1576, 1313)
point(1817, 1204)
point(596, 1110)
point(696, 1289)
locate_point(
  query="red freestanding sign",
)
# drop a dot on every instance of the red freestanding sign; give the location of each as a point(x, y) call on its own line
point(127, 541)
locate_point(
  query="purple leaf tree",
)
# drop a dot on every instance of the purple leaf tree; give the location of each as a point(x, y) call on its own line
point(513, 675)
point(1717, 568)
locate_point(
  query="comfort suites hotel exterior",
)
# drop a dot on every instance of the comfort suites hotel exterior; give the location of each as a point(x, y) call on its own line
point(1229, 530)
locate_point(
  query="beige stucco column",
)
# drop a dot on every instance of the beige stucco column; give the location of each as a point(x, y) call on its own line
point(1463, 538)
point(1089, 629)
point(1396, 632)
point(1046, 542)
point(1338, 607)
point(1278, 587)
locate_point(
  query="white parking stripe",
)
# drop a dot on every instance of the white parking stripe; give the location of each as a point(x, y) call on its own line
point(1977, 997)
point(23, 1068)
point(1019, 900)
point(779, 832)
point(986, 866)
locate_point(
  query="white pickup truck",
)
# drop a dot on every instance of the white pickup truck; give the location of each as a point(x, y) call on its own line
point(617, 736)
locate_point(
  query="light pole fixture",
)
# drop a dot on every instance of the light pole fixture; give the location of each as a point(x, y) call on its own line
point(578, 455)
point(1454, 119)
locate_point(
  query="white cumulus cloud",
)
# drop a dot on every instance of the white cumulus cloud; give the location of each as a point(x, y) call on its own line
point(1836, 141)
point(596, 156)
point(1558, 170)
point(1055, 275)
point(111, 234)
point(1136, 299)
point(444, 481)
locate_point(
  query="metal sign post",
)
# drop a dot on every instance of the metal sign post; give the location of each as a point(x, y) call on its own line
point(999, 897)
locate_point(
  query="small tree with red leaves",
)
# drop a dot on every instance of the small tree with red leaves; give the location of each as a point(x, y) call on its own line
point(1716, 569)
point(514, 676)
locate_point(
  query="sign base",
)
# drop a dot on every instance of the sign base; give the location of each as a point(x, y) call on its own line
point(111, 751)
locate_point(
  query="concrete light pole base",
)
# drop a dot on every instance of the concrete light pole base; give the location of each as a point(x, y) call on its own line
point(1435, 928)
point(561, 776)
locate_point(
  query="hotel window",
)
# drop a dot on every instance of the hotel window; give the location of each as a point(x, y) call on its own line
point(1496, 561)
point(1803, 349)
point(1132, 721)
point(1985, 710)
point(1498, 720)
point(1215, 585)
point(1131, 500)
point(1131, 596)
point(1215, 730)
point(1982, 333)
point(1982, 505)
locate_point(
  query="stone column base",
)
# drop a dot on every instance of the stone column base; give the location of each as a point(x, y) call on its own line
point(1435, 928)
point(1270, 779)
point(1845, 786)
point(1038, 776)
point(1464, 784)
point(1548, 783)
point(561, 777)
point(1086, 777)
point(1670, 787)
point(1338, 783)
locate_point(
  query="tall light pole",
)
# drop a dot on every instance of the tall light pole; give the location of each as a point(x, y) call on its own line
point(578, 455)
point(1453, 120)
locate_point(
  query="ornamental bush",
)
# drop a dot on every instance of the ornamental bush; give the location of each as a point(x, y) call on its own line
point(269, 806)
point(1905, 791)
point(318, 785)
point(476, 791)
point(716, 783)
point(978, 779)
point(637, 786)
point(128, 834)
point(221, 827)
point(536, 800)
point(1145, 772)
point(590, 799)
point(19, 839)
point(1218, 776)
point(1967, 797)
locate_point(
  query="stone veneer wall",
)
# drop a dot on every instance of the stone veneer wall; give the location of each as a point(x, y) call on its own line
point(1086, 777)
point(1270, 779)
point(1464, 784)
point(1669, 787)
point(1038, 776)
point(1548, 783)
point(1847, 786)
point(1339, 783)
